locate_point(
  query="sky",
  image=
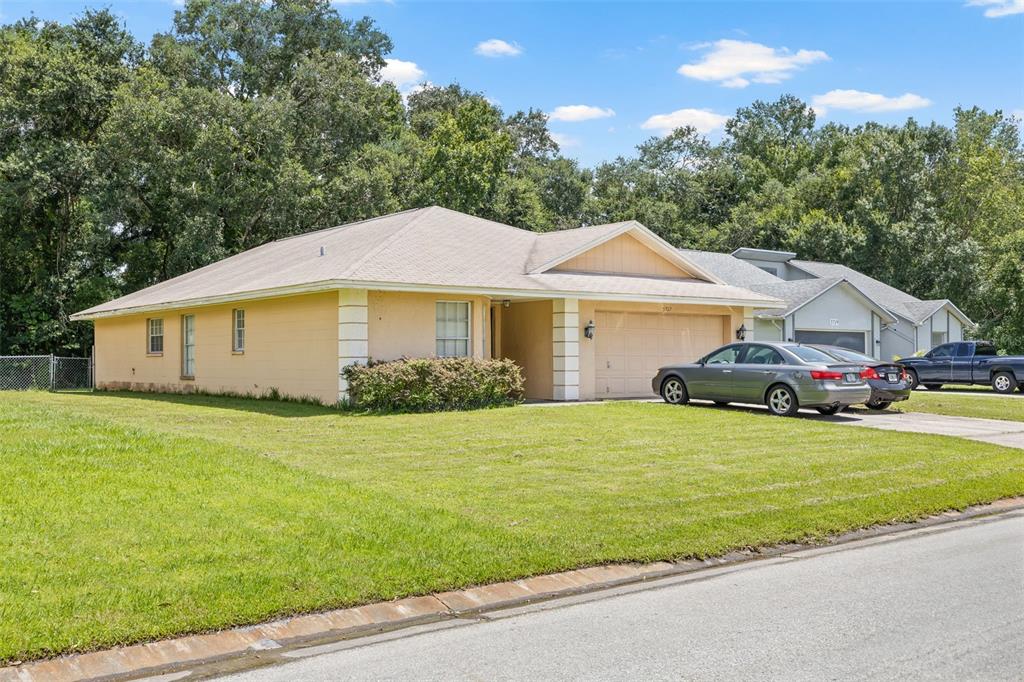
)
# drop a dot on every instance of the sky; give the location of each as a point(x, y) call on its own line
point(611, 75)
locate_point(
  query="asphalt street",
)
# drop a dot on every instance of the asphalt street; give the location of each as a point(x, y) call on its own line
point(941, 603)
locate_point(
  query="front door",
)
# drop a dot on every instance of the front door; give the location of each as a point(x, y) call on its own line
point(713, 380)
point(755, 373)
point(940, 367)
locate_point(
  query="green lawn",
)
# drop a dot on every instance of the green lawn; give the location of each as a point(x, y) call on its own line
point(985, 406)
point(130, 517)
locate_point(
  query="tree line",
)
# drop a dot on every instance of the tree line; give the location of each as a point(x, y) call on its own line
point(122, 165)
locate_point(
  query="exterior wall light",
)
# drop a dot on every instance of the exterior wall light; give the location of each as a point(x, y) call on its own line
point(741, 333)
point(588, 331)
point(506, 303)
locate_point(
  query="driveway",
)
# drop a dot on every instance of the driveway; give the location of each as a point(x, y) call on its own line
point(997, 431)
point(938, 604)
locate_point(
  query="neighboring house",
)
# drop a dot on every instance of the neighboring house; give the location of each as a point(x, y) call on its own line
point(587, 313)
point(834, 304)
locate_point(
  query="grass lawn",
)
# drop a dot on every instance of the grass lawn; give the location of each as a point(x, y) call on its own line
point(131, 517)
point(985, 406)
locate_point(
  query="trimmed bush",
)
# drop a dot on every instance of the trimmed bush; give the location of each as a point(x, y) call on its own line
point(434, 384)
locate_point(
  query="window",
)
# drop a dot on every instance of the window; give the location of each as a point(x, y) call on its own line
point(452, 325)
point(938, 338)
point(724, 356)
point(155, 342)
point(850, 356)
point(188, 346)
point(238, 330)
point(985, 349)
point(808, 354)
point(942, 352)
point(963, 350)
point(762, 355)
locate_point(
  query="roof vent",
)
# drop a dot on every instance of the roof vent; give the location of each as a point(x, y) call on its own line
point(323, 251)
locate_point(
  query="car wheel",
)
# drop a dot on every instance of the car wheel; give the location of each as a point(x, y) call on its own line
point(781, 401)
point(830, 410)
point(1003, 382)
point(673, 391)
point(878, 404)
point(912, 380)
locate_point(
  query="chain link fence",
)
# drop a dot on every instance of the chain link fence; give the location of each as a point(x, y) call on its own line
point(44, 372)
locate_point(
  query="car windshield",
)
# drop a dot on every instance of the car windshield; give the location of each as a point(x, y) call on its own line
point(808, 354)
point(848, 355)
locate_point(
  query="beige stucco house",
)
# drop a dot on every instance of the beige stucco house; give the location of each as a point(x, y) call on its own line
point(587, 313)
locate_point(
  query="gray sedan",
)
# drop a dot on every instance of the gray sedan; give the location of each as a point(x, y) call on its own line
point(782, 376)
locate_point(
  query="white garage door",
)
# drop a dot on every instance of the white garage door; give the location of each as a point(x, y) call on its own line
point(632, 346)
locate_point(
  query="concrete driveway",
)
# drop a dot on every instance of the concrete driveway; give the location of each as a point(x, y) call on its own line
point(997, 431)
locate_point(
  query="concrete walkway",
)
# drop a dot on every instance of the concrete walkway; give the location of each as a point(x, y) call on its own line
point(997, 431)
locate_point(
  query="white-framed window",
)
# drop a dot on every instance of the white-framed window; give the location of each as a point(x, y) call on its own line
point(452, 324)
point(155, 336)
point(238, 330)
point(188, 346)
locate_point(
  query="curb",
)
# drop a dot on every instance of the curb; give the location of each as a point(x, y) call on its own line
point(180, 654)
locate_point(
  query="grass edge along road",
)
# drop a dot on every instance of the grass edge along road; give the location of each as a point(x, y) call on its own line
point(127, 518)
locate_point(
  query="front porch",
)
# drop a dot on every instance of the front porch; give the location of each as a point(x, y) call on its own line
point(547, 337)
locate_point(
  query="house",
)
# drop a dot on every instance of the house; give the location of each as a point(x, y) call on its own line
point(834, 304)
point(587, 313)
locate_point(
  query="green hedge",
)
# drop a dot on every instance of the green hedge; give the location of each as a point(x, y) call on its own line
point(434, 384)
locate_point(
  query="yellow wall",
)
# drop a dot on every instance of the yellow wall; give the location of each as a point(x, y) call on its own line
point(626, 255)
point(527, 339)
point(402, 324)
point(291, 344)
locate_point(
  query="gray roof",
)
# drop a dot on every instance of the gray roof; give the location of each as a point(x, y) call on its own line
point(433, 248)
point(895, 300)
point(730, 269)
point(794, 293)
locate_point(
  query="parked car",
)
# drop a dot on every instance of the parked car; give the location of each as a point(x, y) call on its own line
point(782, 376)
point(888, 381)
point(966, 362)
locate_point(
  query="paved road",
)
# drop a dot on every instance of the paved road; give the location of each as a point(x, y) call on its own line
point(946, 603)
point(998, 431)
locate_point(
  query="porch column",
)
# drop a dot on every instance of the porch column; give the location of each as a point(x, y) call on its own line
point(566, 336)
point(353, 336)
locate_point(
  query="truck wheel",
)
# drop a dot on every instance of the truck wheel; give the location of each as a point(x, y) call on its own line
point(912, 380)
point(933, 387)
point(673, 391)
point(1003, 382)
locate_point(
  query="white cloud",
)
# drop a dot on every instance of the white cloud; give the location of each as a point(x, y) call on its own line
point(498, 48)
point(579, 112)
point(401, 73)
point(998, 8)
point(737, 63)
point(858, 100)
point(703, 120)
point(564, 141)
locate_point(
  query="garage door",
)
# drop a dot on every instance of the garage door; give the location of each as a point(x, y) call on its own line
point(851, 340)
point(630, 347)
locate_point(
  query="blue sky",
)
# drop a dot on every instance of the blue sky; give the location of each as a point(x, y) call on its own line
point(627, 71)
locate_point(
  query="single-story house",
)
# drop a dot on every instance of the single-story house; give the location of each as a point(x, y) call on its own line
point(587, 313)
point(833, 304)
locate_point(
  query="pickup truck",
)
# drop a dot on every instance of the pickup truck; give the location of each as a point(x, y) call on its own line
point(966, 362)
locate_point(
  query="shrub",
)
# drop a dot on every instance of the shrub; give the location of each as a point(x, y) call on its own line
point(434, 384)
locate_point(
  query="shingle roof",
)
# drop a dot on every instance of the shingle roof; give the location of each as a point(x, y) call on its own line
point(730, 269)
point(428, 247)
point(796, 292)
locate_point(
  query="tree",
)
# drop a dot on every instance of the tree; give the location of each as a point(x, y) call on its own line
point(57, 85)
